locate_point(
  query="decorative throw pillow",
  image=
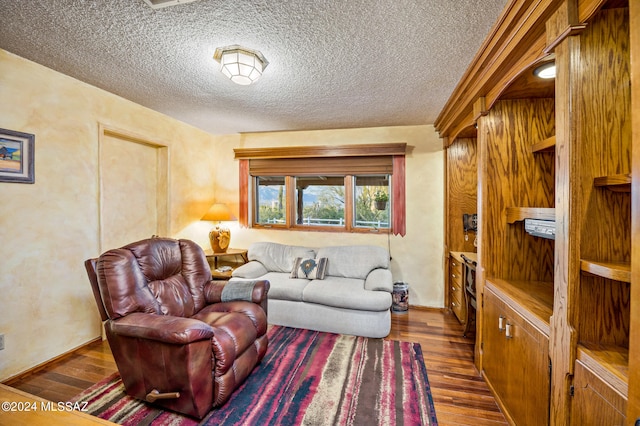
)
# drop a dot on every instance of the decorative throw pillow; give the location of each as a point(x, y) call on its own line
point(311, 269)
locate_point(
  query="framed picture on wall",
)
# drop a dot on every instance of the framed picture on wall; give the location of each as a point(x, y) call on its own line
point(16, 156)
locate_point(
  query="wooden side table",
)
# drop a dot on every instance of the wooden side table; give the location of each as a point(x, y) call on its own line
point(231, 252)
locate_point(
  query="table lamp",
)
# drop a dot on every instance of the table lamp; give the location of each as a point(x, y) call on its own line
point(220, 235)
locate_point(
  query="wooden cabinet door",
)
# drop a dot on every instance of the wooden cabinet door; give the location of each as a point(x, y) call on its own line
point(494, 346)
point(595, 403)
point(456, 289)
point(516, 363)
point(528, 370)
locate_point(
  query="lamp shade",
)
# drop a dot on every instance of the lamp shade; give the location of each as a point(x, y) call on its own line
point(241, 65)
point(219, 212)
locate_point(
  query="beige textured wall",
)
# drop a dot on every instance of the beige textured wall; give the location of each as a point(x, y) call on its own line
point(417, 257)
point(49, 228)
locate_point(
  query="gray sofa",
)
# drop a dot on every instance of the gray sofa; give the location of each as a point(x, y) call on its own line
point(353, 297)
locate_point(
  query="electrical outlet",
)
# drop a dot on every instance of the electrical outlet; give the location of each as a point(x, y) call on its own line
point(1, 342)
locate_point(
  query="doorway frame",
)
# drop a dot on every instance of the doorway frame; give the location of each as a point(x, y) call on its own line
point(162, 187)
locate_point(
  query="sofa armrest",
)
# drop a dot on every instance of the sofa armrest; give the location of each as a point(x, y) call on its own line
point(251, 270)
point(379, 280)
point(163, 328)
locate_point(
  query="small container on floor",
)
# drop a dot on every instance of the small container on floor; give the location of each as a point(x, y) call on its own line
point(400, 297)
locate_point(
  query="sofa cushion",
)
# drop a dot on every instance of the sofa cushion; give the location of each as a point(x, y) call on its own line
point(354, 261)
point(278, 257)
point(346, 293)
point(311, 269)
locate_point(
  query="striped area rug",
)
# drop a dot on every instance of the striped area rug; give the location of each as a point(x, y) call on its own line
point(306, 378)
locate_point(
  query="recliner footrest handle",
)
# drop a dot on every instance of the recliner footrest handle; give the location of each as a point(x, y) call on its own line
point(155, 395)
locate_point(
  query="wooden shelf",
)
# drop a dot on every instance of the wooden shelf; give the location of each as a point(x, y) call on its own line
point(609, 362)
point(531, 299)
point(618, 183)
point(546, 145)
point(618, 271)
point(516, 214)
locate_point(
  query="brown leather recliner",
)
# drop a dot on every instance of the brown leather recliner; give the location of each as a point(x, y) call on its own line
point(174, 341)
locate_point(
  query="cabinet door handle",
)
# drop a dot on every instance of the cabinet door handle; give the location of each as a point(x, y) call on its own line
point(501, 323)
point(507, 331)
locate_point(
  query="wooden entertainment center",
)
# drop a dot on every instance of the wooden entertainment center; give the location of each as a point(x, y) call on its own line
point(558, 320)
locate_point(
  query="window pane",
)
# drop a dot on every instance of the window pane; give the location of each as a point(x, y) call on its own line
point(369, 213)
point(320, 200)
point(270, 200)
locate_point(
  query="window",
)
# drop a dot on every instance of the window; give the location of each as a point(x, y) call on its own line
point(320, 200)
point(368, 211)
point(270, 200)
point(353, 188)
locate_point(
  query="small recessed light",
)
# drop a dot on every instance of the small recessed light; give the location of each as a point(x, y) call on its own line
point(547, 70)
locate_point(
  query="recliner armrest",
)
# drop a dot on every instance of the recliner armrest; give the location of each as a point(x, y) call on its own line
point(163, 328)
point(213, 291)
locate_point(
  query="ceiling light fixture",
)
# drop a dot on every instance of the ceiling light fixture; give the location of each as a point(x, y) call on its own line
point(547, 70)
point(159, 4)
point(243, 66)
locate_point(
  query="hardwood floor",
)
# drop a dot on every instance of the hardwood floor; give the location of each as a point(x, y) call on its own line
point(68, 376)
point(460, 395)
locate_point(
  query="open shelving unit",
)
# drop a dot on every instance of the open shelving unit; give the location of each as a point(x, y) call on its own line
point(546, 145)
point(617, 271)
point(518, 214)
point(618, 183)
point(610, 362)
point(564, 153)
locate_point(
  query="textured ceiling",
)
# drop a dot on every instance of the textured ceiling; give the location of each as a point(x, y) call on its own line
point(332, 63)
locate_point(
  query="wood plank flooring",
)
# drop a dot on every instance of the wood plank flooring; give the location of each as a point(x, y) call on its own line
point(460, 395)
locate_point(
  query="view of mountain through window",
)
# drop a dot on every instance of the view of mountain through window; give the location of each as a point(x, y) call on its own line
point(271, 200)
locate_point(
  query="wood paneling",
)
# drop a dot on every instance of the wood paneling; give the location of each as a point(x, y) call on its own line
point(605, 139)
point(563, 338)
point(329, 166)
point(513, 176)
point(633, 407)
point(578, 170)
point(462, 198)
point(516, 42)
point(593, 142)
point(462, 192)
point(603, 311)
point(322, 151)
